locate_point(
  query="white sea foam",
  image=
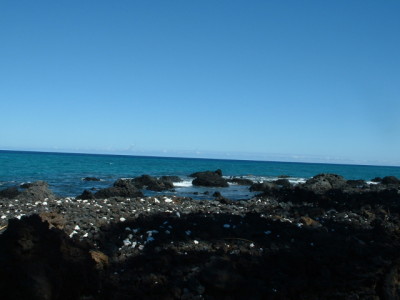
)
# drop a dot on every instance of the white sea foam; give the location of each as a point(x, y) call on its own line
point(185, 183)
point(292, 180)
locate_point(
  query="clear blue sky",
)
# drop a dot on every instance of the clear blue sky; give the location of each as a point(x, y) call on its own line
point(276, 80)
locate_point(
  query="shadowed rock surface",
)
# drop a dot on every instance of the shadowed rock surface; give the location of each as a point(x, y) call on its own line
point(210, 179)
point(241, 181)
point(328, 238)
point(39, 263)
point(121, 188)
point(152, 183)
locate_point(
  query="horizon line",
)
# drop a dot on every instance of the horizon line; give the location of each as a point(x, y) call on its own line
point(49, 151)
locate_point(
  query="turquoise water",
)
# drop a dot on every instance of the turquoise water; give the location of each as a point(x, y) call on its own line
point(64, 171)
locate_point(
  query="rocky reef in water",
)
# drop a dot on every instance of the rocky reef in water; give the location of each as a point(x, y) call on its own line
point(327, 238)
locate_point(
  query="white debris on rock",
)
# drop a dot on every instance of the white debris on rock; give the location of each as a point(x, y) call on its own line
point(127, 242)
point(122, 219)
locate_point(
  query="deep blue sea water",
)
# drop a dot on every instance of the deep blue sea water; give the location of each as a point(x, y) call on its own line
point(65, 171)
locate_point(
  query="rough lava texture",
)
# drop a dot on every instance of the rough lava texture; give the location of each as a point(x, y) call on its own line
point(121, 188)
point(209, 178)
point(39, 263)
point(325, 239)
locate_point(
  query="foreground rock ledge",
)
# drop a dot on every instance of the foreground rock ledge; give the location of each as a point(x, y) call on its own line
point(284, 244)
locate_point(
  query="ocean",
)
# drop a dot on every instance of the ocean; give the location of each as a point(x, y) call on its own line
point(65, 171)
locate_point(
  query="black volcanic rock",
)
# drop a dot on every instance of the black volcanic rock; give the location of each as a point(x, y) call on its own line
point(283, 183)
point(390, 180)
point(376, 179)
point(324, 182)
point(196, 174)
point(37, 191)
point(9, 193)
point(86, 195)
point(241, 181)
point(39, 263)
point(209, 178)
point(91, 179)
point(264, 186)
point(294, 243)
point(121, 188)
point(171, 178)
point(359, 183)
point(152, 183)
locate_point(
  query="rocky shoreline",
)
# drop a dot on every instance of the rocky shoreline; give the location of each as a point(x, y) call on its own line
point(328, 238)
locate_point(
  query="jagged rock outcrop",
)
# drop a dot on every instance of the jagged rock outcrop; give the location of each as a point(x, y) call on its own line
point(209, 178)
point(153, 184)
point(41, 263)
point(121, 188)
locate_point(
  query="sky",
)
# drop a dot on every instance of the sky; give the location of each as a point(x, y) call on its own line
point(313, 81)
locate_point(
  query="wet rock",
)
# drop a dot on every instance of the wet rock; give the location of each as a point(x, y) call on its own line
point(152, 183)
point(264, 186)
point(91, 179)
point(376, 179)
point(283, 183)
point(241, 181)
point(283, 176)
point(171, 178)
point(208, 178)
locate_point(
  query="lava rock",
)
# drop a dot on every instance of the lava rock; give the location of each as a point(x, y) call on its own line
point(91, 179)
point(37, 191)
point(9, 193)
point(171, 178)
point(324, 182)
point(377, 179)
point(121, 188)
point(86, 195)
point(39, 263)
point(390, 180)
point(241, 181)
point(152, 183)
point(283, 183)
point(356, 183)
point(264, 186)
point(209, 178)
